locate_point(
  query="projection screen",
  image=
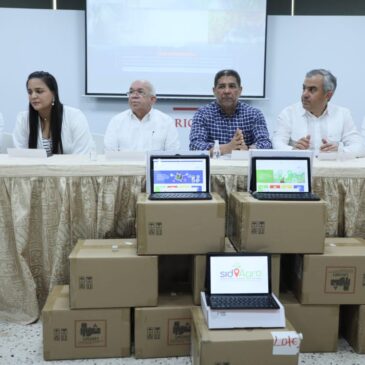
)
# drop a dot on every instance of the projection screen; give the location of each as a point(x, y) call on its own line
point(178, 45)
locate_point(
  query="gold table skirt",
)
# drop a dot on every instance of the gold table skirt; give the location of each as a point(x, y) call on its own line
point(42, 217)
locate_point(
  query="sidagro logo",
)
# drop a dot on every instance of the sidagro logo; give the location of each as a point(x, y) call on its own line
point(239, 273)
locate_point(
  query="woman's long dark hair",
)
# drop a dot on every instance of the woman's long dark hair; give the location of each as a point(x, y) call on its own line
point(56, 114)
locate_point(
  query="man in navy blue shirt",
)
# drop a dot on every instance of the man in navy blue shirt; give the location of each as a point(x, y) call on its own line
point(235, 124)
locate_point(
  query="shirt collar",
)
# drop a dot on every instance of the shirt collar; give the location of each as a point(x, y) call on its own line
point(146, 118)
point(218, 107)
point(326, 112)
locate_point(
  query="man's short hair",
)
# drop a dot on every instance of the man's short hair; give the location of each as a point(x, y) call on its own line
point(221, 73)
point(329, 81)
point(150, 87)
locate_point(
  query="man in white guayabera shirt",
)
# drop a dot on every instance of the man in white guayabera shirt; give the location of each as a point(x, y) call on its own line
point(315, 123)
point(142, 127)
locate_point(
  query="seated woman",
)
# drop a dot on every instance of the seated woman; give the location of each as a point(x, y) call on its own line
point(57, 128)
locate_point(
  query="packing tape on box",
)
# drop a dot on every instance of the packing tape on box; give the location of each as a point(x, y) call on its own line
point(113, 246)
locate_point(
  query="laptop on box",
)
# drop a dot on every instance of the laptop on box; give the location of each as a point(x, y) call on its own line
point(179, 177)
point(239, 281)
point(281, 178)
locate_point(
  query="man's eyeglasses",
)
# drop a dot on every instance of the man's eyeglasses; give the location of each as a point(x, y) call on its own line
point(139, 92)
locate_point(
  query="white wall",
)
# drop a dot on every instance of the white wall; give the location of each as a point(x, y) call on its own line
point(53, 41)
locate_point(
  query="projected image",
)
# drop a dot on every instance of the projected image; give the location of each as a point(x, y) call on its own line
point(164, 41)
point(285, 176)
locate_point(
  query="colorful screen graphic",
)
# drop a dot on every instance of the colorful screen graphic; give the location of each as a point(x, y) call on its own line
point(179, 175)
point(282, 175)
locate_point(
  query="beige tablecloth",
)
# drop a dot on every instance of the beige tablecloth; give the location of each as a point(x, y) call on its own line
point(47, 205)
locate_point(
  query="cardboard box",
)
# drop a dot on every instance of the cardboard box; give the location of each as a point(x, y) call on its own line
point(317, 323)
point(336, 277)
point(180, 227)
point(242, 318)
point(199, 267)
point(279, 346)
point(353, 326)
point(108, 273)
point(165, 330)
point(276, 226)
point(83, 333)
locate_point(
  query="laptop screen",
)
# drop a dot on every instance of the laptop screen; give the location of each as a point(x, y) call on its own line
point(280, 174)
point(179, 174)
point(239, 274)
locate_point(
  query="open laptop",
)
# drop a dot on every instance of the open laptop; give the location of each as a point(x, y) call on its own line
point(281, 178)
point(180, 177)
point(239, 281)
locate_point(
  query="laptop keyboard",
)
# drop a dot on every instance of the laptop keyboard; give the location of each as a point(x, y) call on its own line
point(243, 302)
point(286, 196)
point(181, 196)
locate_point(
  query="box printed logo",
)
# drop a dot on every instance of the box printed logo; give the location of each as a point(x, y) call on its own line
point(85, 282)
point(179, 332)
point(257, 227)
point(153, 333)
point(90, 333)
point(155, 229)
point(60, 334)
point(340, 280)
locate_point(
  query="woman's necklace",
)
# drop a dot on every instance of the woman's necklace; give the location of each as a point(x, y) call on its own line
point(45, 127)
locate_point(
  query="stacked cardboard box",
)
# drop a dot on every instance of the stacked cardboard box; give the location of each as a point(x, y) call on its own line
point(109, 274)
point(242, 346)
point(177, 231)
point(276, 226)
point(180, 227)
point(110, 277)
point(92, 318)
point(317, 323)
point(83, 333)
point(290, 228)
point(164, 330)
point(160, 276)
point(335, 277)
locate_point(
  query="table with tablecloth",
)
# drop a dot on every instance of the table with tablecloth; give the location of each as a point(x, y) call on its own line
point(46, 205)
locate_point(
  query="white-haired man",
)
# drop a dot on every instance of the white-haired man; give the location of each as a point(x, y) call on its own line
point(141, 128)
